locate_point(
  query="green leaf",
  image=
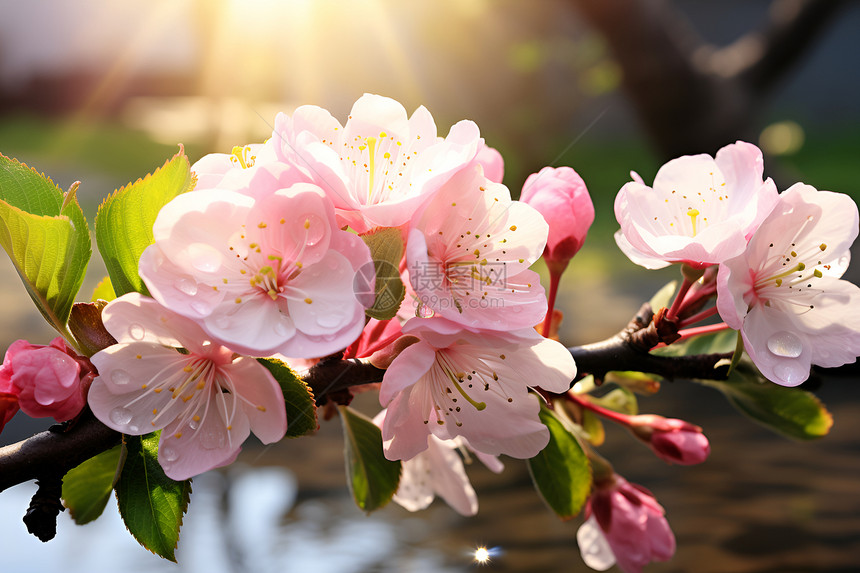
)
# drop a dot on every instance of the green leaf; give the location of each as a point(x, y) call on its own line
point(103, 291)
point(792, 412)
point(87, 488)
point(663, 296)
point(619, 400)
point(386, 249)
point(561, 471)
point(372, 478)
point(298, 397)
point(46, 236)
point(716, 343)
point(592, 425)
point(124, 220)
point(150, 503)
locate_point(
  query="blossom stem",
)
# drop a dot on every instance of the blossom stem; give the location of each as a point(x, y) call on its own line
point(679, 299)
point(700, 316)
point(554, 278)
point(707, 329)
point(617, 417)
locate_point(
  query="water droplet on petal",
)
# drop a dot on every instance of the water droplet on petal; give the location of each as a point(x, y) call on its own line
point(136, 331)
point(281, 328)
point(120, 416)
point(201, 307)
point(204, 257)
point(328, 320)
point(186, 286)
point(120, 377)
point(424, 311)
point(212, 439)
point(785, 344)
point(133, 429)
point(169, 454)
point(193, 424)
point(791, 372)
point(314, 229)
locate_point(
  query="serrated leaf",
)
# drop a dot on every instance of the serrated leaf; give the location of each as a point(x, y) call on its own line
point(46, 236)
point(561, 472)
point(386, 250)
point(124, 220)
point(372, 478)
point(103, 291)
point(792, 412)
point(150, 503)
point(619, 400)
point(298, 397)
point(87, 488)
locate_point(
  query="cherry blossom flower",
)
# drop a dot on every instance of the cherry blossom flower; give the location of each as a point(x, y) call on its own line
point(264, 275)
point(673, 440)
point(381, 166)
point(625, 526)
point(468, 255)
point(561, 197)
point(44, 381)
point(439, 470)
point(784, 293)
point(492, 162)
point(234, 170)
point(205, 400)
point(700, 211)
point(456, 382)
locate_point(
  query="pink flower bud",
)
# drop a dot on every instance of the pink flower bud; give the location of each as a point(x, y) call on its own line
point(559, 194)
point(45, 380)
point(673, 440)
point(625, 526)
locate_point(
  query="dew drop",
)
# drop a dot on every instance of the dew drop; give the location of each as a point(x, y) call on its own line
point(120, 416)
point(133, 429)
point(169, 454)
point(314, 228)
point(201, 307)
point(785, 344)
point(790, 372)
point(193, 424)
point(424, 311)
point(136, 331)
point(186, 286)
point(204, 257)
point(120, 377)
point(212, 440)
point(326, 320)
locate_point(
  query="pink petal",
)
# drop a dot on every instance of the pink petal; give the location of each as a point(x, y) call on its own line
point(409, 366)
point(262, 399)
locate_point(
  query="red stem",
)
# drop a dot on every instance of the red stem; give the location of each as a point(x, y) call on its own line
point(679, 299)
point(700, 316)
point(622, 419)
point(554, 279)
point(707, 329)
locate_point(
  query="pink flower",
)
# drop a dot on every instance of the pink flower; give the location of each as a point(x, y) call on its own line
point(624, 525)
point(455, 382)
point(784, 293)
point(439, 470)
point(673, 440)
point(262, 275)
point(561, 197)
point(45, 381)
point(206, 401)
point(468, 255)
point(701, 210)
point(492, 162)
point(236, 169)
point(381, 166)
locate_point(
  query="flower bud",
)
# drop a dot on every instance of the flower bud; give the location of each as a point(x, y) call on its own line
point(559, 194)
point(45, 380)
point(673, 440)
